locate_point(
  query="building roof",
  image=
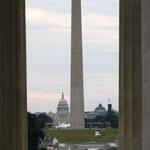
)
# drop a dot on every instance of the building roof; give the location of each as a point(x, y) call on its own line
point(63, 102)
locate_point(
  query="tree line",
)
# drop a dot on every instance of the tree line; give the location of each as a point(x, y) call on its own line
point(36, 123)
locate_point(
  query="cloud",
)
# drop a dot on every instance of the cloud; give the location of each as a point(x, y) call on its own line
point(43, 101)
point(44, 96)
point(51, 82)
point(64, 6)
point(95, 21)
point(63, 20)
point(35, 16)
point(98, 30)
point(102, 84)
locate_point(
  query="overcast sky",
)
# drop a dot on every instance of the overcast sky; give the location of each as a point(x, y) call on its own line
point(48, 52)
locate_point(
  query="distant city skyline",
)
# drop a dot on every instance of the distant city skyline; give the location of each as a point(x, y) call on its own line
point(48, 52)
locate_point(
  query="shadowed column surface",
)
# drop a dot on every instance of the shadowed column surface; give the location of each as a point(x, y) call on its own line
point(13, 107)
point(146, 74)
point(134, 97)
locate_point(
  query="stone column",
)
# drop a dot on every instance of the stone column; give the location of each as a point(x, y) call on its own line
point(130, 75)
point(146, 74)
point(134, 87)
point(77, 92)
point(13, 106)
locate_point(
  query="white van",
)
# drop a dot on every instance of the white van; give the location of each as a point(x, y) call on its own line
point(97, 134)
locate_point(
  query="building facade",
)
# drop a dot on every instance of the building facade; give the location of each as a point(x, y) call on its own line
point(99, 111)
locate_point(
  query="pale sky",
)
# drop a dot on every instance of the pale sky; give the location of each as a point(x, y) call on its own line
point(48, 52)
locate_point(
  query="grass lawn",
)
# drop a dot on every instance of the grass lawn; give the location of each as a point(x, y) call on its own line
point(83, 136)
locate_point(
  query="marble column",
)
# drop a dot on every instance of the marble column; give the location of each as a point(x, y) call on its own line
point(13, 106)
point(77, 91)
point(134, 79)
point(146, 74)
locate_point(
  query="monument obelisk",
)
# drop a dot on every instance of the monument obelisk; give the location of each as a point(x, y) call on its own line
point(77, 90)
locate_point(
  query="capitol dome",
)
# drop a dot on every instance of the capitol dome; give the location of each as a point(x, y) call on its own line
point(63, 105)
point(100, 110)
point(63, 110)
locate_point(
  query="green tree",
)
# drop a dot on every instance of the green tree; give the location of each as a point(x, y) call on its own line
point(42, 119)
point(34, 133)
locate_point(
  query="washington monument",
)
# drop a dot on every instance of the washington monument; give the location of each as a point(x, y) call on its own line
point(77, 90)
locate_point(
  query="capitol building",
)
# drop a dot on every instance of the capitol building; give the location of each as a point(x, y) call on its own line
point(62, 116)
point(63, 110)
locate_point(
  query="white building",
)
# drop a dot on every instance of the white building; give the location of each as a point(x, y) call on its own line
point(63, 111)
